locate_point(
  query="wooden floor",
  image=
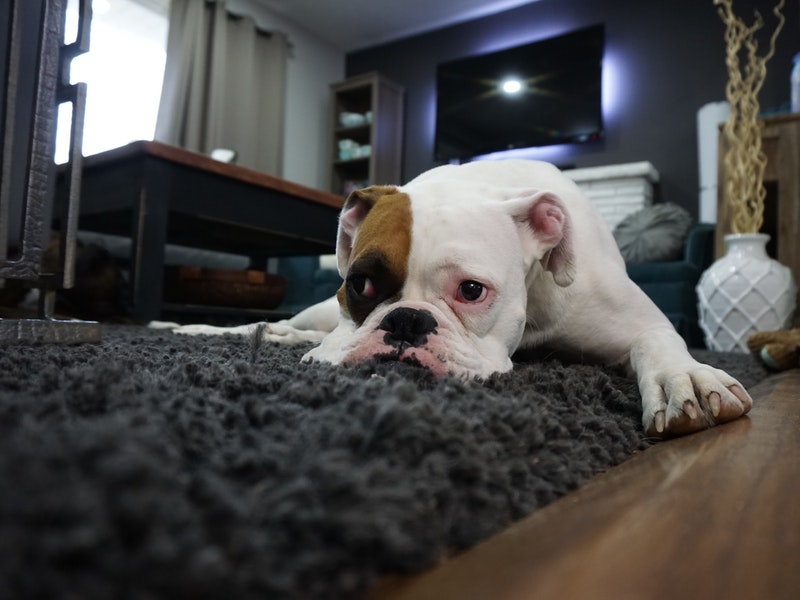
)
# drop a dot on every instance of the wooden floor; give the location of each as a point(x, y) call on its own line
point(712, 515)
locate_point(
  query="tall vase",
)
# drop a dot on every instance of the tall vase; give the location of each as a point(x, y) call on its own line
point(743, 292)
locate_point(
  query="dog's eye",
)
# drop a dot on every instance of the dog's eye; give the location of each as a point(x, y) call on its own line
point(471, 291)
point(362, 286)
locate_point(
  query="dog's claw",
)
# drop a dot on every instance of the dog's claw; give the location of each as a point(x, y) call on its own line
point(660, 421)
point(742, 396)
point(714, 403)
point(689, 409)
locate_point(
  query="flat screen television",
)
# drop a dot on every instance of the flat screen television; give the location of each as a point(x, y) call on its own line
point(537, 94)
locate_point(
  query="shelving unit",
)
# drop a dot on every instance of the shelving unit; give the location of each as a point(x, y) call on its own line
point(373, 144)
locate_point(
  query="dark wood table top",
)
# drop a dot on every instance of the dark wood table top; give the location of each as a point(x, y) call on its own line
point(202, 162)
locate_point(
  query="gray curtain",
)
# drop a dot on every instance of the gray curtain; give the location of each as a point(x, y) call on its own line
point(224, 85)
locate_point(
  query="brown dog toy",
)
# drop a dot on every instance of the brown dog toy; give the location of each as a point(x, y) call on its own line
point(778, 350)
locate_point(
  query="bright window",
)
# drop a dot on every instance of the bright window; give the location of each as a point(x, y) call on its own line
point(123, 70)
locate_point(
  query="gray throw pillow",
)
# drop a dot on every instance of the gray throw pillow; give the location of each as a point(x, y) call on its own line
point(654, 233)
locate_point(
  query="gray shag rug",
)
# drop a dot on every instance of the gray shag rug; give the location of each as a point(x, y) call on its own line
point(154, 465)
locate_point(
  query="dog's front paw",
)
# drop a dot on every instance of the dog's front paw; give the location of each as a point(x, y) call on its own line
point(200, 329)
point(677, 402)
point(283, 333)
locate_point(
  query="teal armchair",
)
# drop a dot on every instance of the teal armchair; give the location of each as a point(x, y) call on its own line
point(671, 284)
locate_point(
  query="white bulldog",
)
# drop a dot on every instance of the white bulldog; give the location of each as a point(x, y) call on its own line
point(465, 265)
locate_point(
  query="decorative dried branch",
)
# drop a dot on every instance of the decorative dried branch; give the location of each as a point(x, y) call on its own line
point(745, 161)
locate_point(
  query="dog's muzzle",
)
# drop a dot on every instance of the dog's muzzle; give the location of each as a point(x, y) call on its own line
point(407, 328)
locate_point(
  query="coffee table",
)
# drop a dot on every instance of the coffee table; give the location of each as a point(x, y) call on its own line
point(156, 194)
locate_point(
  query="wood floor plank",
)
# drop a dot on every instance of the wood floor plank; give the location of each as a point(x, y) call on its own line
point(712, 515)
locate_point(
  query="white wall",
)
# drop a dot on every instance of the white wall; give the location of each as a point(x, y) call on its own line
point(313, 66)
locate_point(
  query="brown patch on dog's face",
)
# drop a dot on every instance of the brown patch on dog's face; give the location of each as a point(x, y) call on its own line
point(379, 260)
point(387, 227)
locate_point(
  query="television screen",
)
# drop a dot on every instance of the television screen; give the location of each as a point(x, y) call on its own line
point(542, 93)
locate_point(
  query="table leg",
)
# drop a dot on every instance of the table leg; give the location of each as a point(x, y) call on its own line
point(149, 241)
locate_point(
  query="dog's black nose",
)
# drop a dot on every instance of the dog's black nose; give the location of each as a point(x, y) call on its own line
point(407, 327)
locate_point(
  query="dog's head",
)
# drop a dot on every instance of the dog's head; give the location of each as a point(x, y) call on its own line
point(439, 275)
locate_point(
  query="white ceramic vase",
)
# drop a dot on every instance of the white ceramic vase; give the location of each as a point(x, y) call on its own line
point(743, 292)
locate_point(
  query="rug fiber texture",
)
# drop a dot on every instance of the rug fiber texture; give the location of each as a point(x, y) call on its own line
point(154, 465)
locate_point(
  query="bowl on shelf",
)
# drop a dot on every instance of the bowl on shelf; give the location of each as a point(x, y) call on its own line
point(362, 151)
point(347, 149)
point(351, 119)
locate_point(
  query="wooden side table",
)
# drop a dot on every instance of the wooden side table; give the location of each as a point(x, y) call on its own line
point(781, 144)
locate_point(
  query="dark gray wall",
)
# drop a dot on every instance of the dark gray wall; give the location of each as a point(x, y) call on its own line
point(664, 60)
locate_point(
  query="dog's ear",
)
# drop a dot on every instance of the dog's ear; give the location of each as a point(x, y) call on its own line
point(545, 233)
point(354, 211)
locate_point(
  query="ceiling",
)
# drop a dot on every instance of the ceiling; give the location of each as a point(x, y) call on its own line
point(355, 24)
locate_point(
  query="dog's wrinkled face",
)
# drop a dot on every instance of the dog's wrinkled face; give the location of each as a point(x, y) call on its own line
point(437, 277)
